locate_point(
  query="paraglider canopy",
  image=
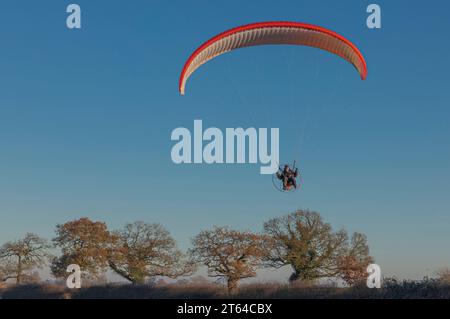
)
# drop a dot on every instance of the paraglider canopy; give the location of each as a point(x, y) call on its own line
point(266, 33)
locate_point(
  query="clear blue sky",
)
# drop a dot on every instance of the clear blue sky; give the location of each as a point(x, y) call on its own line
point(86, 117)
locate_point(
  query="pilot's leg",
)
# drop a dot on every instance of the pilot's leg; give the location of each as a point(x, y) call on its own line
point(293, 182)
point(285, 182)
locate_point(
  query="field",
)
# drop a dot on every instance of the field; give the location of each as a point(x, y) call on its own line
point(392, 289)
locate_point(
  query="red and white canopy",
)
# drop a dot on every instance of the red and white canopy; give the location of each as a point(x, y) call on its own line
point(267, 33)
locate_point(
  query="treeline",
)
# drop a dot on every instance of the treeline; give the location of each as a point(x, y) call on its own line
point(142, 251)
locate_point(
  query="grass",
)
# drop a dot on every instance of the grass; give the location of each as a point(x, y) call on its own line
point(392, 289)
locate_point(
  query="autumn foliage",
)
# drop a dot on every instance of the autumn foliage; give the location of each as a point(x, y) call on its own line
point(85, 243)
point(141, 251)
point(229, 254)
point(303, 241)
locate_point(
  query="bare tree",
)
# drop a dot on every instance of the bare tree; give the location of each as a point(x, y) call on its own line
point(229, 254)
point(144, 251)
point(444, 276)
point(310, 246)
point(6, 269)
point(19, 258)
point(85, 243)
point(353, 264)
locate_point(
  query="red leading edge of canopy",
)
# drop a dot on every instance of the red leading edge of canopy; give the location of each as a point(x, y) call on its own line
point(272, 24)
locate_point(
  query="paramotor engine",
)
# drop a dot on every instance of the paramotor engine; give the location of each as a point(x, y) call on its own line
point(287, 178)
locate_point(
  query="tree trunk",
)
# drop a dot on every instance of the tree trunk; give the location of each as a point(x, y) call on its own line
point(19, 271)
point(122, 273)
point(232, 284)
